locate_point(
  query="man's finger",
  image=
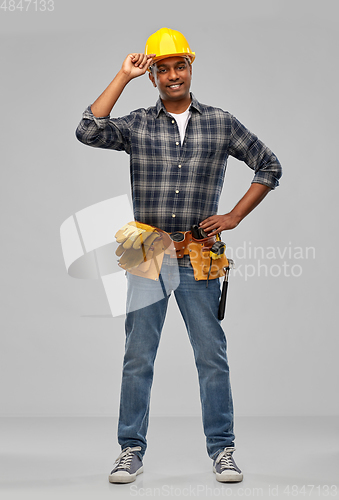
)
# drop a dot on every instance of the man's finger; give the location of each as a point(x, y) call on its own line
point(208, 223)
point(138, 60)
point(143, 61)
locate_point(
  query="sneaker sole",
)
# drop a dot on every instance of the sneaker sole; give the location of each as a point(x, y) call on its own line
point(124, 477)
point(229, 478)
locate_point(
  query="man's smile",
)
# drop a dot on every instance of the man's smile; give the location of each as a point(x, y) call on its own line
point(174, 86)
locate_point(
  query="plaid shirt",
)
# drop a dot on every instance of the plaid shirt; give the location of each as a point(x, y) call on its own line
point(174, 185)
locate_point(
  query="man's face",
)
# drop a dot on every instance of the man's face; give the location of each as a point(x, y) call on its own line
point(172, 76)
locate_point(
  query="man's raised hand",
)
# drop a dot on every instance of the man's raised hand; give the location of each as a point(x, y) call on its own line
point(136, 64)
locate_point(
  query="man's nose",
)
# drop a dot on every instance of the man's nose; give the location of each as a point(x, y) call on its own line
point(173, 74)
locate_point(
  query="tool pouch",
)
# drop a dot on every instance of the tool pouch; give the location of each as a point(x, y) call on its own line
point(151, 265)
point(142, 248)
point(204, 267)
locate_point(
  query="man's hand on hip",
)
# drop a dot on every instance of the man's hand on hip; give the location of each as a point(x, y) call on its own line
point(218, 223)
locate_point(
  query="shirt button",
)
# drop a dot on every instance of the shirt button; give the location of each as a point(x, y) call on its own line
point(173, 121)
point(177, 191)
point(173, 215)
point(177, 144)
point(179, 166)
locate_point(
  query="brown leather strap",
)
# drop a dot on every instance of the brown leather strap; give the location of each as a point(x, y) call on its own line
point(182, 247)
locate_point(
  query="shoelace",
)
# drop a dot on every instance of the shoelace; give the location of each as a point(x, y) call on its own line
point(124, 459)
point(226, 459)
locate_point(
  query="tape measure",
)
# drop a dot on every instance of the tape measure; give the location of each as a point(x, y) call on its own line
point(217, 250)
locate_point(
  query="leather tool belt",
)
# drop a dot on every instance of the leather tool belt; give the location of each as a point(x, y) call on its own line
point(176, 245)
point(199, 252)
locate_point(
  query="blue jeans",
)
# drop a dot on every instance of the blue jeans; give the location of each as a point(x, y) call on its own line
point(198, 305)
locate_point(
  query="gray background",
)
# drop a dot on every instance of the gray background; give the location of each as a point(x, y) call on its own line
point(273, 64)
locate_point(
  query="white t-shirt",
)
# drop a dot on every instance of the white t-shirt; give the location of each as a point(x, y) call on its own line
point(182, 121)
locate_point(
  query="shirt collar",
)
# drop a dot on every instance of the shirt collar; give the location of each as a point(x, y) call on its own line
point(194, 104)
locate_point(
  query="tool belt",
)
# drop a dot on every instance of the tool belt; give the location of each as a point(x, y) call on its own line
point(204, 266)
point(147, 263)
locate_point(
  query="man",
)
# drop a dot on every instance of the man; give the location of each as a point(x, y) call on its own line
point(178, 152)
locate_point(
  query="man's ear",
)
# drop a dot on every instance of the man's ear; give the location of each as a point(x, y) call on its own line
point(151, 77)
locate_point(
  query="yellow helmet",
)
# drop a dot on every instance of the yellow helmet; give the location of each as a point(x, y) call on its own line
point(168, 43)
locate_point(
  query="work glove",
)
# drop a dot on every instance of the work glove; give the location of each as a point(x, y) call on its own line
point(135, 241)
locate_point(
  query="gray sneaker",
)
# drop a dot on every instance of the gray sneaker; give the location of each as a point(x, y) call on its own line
point(225, 468)
point(126, 467)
